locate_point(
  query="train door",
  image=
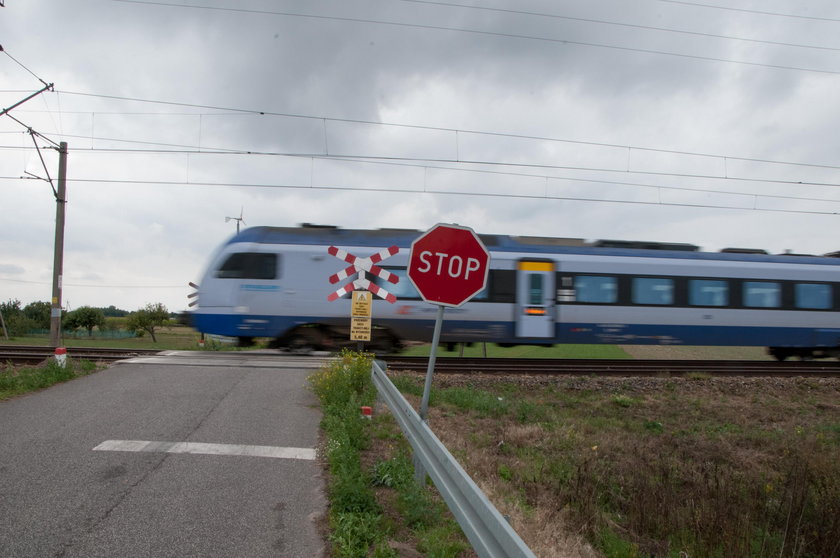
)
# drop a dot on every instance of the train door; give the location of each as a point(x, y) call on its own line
point(535, 308)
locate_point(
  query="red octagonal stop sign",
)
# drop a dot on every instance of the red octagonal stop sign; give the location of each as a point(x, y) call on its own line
point(448, 265)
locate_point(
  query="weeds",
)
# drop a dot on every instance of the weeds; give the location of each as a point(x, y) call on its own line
point(17, 381)
point(355, 516)
point(716, 473)
point(360, 524)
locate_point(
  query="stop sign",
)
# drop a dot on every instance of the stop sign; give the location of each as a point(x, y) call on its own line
point(448, 265)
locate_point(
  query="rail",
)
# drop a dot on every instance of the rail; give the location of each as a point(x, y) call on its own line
point(487, 530)
point(32, 354)
point(613, 367)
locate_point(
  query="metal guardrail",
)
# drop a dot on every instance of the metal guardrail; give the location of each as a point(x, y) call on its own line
point(487, 530)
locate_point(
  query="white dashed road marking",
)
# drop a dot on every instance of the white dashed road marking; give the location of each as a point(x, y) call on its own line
point(207, 449)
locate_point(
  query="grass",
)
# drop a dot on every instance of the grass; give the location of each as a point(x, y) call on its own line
point(18, 381)
point(651, 467)
point(374, 504)
point(169, 338)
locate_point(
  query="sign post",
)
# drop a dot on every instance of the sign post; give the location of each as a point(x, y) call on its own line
point(362, 288)
point(448, 265)
point(360, 316)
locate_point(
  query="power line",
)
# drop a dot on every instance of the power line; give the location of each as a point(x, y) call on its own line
point(443, 129)
point(484, 33)
point(748, 11)
point(92, 285)
point(426, 163)
point(415, 162)
point(426, 190)
point(619, 24)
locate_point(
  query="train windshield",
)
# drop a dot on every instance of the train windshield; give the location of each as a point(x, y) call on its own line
point(249, 265)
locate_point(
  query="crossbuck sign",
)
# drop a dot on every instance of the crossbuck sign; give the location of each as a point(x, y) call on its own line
point(361, 266)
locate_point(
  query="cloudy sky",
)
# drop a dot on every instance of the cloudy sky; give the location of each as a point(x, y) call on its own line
point(710, 122)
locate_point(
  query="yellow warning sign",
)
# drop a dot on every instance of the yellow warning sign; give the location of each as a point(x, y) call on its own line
point(359, 329)
point(361, 304)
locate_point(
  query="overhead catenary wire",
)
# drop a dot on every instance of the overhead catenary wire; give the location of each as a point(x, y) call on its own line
point(470, 193)
point(93, 285)
point(619, 24)
point(749, 11)
point(205, 150)
point(450, 130)
point(484, 33)
point(426, 164)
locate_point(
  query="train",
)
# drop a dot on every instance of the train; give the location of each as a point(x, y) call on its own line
point(272, 282)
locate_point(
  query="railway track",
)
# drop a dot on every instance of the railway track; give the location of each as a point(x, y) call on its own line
point(22, 354)
point(26, 354)
point(605, 367)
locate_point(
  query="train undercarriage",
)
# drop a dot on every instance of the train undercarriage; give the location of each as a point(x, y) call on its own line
point(803, 353)
point(319, 337)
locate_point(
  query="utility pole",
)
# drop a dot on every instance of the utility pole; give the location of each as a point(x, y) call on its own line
point(58, 256)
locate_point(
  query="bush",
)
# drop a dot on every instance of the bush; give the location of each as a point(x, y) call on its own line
point(344, 378)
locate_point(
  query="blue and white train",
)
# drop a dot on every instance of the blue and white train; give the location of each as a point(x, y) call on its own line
point(273, 282)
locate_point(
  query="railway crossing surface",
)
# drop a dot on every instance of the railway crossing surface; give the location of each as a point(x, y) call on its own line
point(180, 454)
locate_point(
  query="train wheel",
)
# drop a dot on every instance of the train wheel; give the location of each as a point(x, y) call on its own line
point(778, 353)
point(385, 345)
point(301, 345)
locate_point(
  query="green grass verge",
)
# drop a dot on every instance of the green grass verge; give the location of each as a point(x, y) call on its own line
point(18, 381)
point(374, 503)
point(169, 338)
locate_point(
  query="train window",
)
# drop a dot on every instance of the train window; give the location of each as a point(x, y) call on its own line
point(813, 296)
point(599, 289)
point(249, 265)
point(708, 292)
point(762, 294)
point(535, 289)
point(653, 290)
point(403, 290)
point(502, 285)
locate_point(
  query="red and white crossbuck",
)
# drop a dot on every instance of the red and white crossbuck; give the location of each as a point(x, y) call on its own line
point(363, 266)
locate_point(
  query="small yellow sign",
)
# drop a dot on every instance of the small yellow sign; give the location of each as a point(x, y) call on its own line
point(359, 329)
point(361, 304)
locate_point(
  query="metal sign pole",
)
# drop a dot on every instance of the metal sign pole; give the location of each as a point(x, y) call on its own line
point(427, 388)
point(419, 469)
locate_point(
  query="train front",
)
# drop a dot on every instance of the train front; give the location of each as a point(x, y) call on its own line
point(240, 293)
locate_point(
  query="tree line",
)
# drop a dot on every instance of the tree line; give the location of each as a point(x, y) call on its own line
point(21, 320)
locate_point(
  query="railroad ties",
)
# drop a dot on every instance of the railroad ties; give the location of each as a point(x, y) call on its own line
point(618, 367)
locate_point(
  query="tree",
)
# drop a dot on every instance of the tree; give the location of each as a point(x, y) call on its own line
point(152, 316)
point(39, 313)
point(85, 317)
point(114, 312)
point(17, 324)
point(10, 308)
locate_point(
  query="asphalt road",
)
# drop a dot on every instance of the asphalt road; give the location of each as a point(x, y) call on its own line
point(244, 484)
